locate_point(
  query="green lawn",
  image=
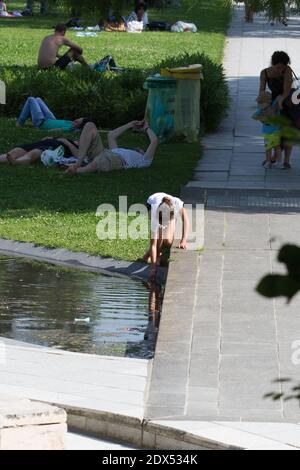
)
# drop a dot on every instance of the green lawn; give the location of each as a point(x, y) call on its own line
point(129, 50)
point(43, 206)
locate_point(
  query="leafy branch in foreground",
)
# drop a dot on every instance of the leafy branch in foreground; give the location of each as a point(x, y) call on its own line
point(294, 395)
point(283, 285)
point(275, 10)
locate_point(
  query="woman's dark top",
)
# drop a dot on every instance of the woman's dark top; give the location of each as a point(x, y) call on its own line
point(47, 144)
point(276, 85)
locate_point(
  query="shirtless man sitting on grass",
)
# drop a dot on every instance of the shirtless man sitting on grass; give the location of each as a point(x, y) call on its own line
point(48, 53)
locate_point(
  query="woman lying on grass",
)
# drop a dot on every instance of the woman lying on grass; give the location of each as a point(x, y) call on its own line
point(98, 158)
point(28, 154)
point(164, 211)
point(42, 118)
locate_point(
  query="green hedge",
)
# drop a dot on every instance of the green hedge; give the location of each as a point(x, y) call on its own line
point(108, 98)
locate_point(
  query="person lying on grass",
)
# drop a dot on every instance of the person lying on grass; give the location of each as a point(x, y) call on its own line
point(164, 211)
point(42, 118)
point(48, 54)
point(114, 158)
point(28, 154)
point(3, 9)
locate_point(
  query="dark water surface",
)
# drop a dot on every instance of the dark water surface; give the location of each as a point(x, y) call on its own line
point(77, 311)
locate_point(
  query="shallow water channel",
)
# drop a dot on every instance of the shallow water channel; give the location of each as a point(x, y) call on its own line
point(77, 311)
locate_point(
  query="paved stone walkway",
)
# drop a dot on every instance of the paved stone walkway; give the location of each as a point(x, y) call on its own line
point(221, 345)
point(234, 154)
point(241, 341)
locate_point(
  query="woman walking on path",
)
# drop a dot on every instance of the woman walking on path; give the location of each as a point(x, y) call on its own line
point(279, 79)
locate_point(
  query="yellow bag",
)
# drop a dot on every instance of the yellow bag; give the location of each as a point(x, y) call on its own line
point(190, 72)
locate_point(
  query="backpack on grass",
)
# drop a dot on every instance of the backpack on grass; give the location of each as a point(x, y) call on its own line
point(105, 64)
point(158, 26)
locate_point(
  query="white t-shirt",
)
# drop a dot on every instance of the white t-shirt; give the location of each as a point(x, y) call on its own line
point(133, 17)
point(155, 200)
point(145, 19)
point(132, 158)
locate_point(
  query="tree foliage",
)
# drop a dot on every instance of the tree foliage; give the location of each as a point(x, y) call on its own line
point(114, 7)
point(278, 9)
point(283, 285)
point(274, 9)
point(98, 7)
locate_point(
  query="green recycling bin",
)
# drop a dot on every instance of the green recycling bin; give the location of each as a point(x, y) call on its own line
point(187, 105)
point(160, 109)
point(187, 109)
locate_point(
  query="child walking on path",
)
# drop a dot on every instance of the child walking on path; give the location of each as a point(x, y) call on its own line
point(271, 132)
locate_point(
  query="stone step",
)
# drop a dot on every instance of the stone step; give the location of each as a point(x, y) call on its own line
point(28, 425)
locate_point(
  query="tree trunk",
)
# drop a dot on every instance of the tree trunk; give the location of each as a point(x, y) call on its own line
point(249, 12)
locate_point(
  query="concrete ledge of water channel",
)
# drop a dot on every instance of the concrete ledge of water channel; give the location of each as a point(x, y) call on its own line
point(138, 432)
point(78, 260)
point(32, 425)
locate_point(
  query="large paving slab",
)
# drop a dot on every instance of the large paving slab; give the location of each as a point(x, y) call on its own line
point(28, 425)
